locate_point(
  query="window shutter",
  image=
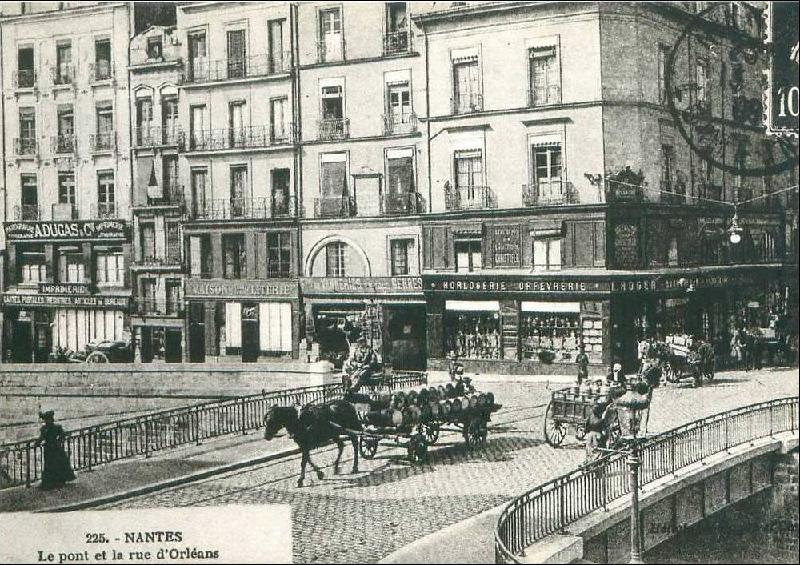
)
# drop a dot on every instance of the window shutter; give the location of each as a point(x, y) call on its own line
point(599, 244)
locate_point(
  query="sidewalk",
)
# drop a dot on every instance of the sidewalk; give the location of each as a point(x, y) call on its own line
point(140, 475)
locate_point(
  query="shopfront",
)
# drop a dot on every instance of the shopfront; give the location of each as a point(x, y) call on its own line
point(388, 311)
point(240, 320)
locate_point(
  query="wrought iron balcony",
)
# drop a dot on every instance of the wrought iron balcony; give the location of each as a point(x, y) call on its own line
point(396, 124)
point(63, 75)
point(410, 203)
point(395, 42)
point(545, 96)
point(248, 137)
point(338, 128)
point(171, 259)
point(100, 70)
point(150, 136)
point(466, 103)
point(27, 213)
point(202, 70)
point(25, 146)
point(469, 198)
point(335, 207)
point(156, 307)
point(64, 144)
point(330, 51)
point(171, 195)
point(24, 78)
point(104, 210)
point(549, 193)
point(262, 208)
point(105, 141)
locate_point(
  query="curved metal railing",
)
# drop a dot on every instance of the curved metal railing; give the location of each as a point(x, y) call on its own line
point(21, 462)
point(552, 506)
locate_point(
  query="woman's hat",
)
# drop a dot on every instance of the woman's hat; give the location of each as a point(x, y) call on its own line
point(617, 367)
point(48, 415)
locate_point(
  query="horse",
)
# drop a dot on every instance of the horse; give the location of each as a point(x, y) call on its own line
point(313, 426)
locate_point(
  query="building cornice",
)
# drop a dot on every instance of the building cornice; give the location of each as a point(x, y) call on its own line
point(81, 11)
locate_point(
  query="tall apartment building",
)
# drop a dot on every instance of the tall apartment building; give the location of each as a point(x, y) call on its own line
point(557, 170)
point(157, 316)
point(238, 166)
point(67, 176)
point(361, 87)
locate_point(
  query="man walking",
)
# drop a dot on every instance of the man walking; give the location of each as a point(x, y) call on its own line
point(583, 364)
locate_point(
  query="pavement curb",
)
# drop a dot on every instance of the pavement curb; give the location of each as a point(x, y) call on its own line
point(176, 481)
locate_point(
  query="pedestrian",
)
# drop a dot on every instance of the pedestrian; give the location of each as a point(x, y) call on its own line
point(583, 364)
point(746, 345)
point(595, 426)
point(56, 471)
point(757, 349)
point(615, 375)
point(736, 349)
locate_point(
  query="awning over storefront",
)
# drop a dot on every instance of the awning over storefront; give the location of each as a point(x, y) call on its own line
point(472, 305)
point(539, 306)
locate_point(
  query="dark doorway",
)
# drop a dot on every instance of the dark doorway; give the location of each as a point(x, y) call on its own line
point(250, 335)
point(43, 337)
point(173, 346)
point(146, 344)
point(197, 333)
point(22, 347)
point(406, 332)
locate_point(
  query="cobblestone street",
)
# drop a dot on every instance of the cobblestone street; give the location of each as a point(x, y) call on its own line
point(390, 503)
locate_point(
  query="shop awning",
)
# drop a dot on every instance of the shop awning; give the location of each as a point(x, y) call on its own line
point(556, 307)
point(472, 305)
point(540, 228)
point(472, 229)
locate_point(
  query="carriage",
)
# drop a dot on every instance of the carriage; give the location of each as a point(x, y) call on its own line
point(678, 361)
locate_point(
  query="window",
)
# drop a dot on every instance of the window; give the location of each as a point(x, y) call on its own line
point(547, 170)
point(147, 233)
point(237, 136)
point(173, 243)
point(102, 59)
point(334, 194)
point(63, 70)
point(71, 266)
point(330, 35)
point(275, 37)
point(174, 296)
point(545, 81)
point(169, 119)
point(65, 142)
point(334, 259)
point(26, 76)
point(27, 132)
point(32, 263)
point(663, 51)
point(144, 121)
point(237, 53)
point(110, 268)
point(234, 264)
point(468, 255)
point(105, 127)
point(197, 127)
point(400, 189)
point(200, 256)
point(29, 197)
point(198, 62)
point(473, 334)
point(667, 166)
point(398, 252)
point(154, 47)
point(199, 192)
point(547, 253)
point(281, 204)
point(469, 191)
point(148, 305)
point(396, 39)
point(106, 207)
point(277, 121)
point(399, 114)
point(278, 254)
point(170, 177)
point(66, 188)
point(466, 86)
point(238, 190)
point(332, 103)
point(701, 77)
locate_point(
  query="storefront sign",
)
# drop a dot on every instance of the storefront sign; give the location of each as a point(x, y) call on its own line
point(216, 288)
point(626, 245)
point(521, 284)
point(73, 289)
point(66, 301)
point(506, 246)
point(361, 285)
point(91, 229)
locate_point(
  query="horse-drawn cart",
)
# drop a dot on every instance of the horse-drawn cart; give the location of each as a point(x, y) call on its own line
point(679, 360)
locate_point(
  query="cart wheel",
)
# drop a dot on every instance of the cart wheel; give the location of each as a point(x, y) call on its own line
point(417, 449)
point(580, 432)
point(431, 433)
point(367, 447)
point(554, 432)
point(97, 357)
point(475, 432)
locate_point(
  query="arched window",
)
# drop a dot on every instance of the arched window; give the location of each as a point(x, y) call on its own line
point(335, 259)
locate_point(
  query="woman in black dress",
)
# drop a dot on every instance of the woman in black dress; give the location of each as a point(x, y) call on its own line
point(57, 470)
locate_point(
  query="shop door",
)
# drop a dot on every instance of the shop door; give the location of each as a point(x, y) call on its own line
point(22, 348)
point(250, 334)
point(405, 347)
point(146, 344)
point(173, 346)
point(623, 334)
point(43, 339)
point(197, 333)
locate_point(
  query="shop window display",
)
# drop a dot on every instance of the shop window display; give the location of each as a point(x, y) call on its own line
point(550, 337)
point(475, 335)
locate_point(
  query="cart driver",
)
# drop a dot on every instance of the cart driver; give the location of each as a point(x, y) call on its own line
point(361, 366)
point(616, 376)
point(596, 428)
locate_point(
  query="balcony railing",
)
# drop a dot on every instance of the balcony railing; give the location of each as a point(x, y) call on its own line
point(25, 146)
point(670, 194)
point(331, 50)
point(469, 198)
point(549, 193)
point(155, 307)
point(544, 96)
point(63, 75)
point(248, 137)
point(64, 143)
point(395, 124)
point(24, 78)
point(334, 129)
point(172, 195)
point(105, 141)
point(100, 70)
point(466, 103)
point(172, 259)
point(335, 207)
point(243, 208)
point(202, 70)
point(395, 42)
point(27, 213)
point(410, 203)
point(150, 136)
point(104, 210)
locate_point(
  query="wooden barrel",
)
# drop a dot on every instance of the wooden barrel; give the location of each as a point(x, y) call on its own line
point(433, 393)
point(460, 388)
point(472, 399)
point(423, 397)
point(489, 398)
point(455, 406)
point(450, 391)
point(408, 416)
point(399, 400)
point(436, 410)
point(425, 413)
point(444, 407)
point(442, 392)
point(411, 397)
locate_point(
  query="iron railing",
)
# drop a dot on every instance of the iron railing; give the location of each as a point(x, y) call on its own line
point(149, 136)
point(553, 506)
point(543, 96)
point(24, 78)
point(397, 123)
point(103, 141)
point(549, 193)
point(156, 307)
point(246, 137)
point(335, 207)
point(469, 198)
point(337, 128)
point(101, 70)
point(263, 208)
point(400, 204)
point(64, 143)
point(63, 74)
point(104, 210)
point(21, 462)
point(395, 42)
point(27, 212)
point(25, 146)
point(202, 70)
point(466, 103)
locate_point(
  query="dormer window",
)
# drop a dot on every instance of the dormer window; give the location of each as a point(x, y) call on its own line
point(154, 47)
